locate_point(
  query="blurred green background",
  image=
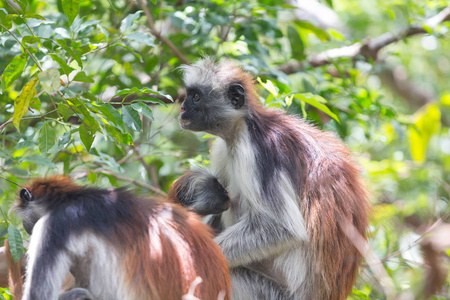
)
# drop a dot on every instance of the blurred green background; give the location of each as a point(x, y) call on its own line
point(91, 89)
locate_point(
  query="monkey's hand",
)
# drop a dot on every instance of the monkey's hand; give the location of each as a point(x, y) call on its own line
point(76, 294)
point(200, 191)
point(257, 237)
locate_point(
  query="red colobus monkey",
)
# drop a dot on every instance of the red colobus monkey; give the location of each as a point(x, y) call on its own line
point(291, 187)
point(117, 245)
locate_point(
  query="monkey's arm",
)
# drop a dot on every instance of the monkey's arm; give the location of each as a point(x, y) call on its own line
point(47, 265)
point(199, 190)
point(256, 237)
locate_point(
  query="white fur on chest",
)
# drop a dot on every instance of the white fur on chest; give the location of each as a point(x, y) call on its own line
point(236, 170)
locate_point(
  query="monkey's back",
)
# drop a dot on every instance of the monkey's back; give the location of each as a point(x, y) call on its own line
point(334, 202)
point(178, 249)
point(126, 247)
point(330, 193)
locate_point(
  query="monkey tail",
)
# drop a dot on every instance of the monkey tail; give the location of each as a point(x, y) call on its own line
point(15, 279)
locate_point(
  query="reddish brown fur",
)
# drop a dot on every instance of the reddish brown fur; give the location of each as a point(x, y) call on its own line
point(182, 238)
point(334, 191)
point(331, 190)
point(15, 279)
point(149, 273)
point(178, 185)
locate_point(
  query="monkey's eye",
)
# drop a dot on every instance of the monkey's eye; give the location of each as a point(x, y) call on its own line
point(25, 195)
point(196, 97)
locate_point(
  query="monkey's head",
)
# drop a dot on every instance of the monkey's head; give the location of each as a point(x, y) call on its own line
point(40, 197)
point(217, 97)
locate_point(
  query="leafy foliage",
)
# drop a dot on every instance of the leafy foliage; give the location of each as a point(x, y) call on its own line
point(88, 86)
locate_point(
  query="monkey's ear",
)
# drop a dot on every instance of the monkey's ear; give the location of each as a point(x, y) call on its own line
point(236, 93)
point(25, 195)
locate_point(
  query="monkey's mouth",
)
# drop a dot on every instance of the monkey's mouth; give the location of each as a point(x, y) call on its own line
point(183, 122)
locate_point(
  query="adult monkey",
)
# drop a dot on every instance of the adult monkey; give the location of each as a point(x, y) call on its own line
point(293, 190)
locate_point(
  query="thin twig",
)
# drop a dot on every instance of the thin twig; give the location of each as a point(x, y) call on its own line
point(27, 118)
point(158, 35)
point(136, 182)
point(24, 48)
point(126, 179)
point(20, 16)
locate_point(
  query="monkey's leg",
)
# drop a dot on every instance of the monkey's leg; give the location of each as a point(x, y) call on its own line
point(76, 294)
point(248, 285)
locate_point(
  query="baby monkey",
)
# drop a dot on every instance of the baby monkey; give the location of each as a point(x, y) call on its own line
point(117, 245)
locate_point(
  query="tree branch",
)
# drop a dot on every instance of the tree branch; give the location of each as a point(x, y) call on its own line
point(369, 48)
point(2, 126)
point(158, 35)
point(126, 179)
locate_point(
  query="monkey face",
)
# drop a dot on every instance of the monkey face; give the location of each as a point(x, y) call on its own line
point(28, 210)
point(211, 110)
point(38, 198)
point(201, 109)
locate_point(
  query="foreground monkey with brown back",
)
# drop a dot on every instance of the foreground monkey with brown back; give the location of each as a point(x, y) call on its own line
point(292, 189)
point(117, 245)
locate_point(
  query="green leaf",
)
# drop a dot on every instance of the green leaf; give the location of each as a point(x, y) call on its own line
point(336, 34)
point(316, 101)
point(86, 135)
point(133, 90)
point(15, 242)
point(30, 39)
point(428, 29)
point(35, 103)
point(66, 165)
point(141, 37)
point(111, 114)
point(82, 77)
point(13, 70)
point(92, 177)
point(62, 142)
point(23, 101)
point(46, 139)
point(71, 9)
point(23, 4)
point(4, 20)
point(426, 123)
point(319, 32)
point(138, 56)
point(150, 100)
point(269, 86)
point(360, 294)
point(62, 64)
point(137, 91)
point(297, 46)
point(81, 109)
point(131, 118)
point(128, 21)
point(33, 16)
point(104, 31)
point(38, 160)
point(50, 80)
point(65, 111)
point(75, 56)
point(445, 99)
point(143, 109)
point(87, 24)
